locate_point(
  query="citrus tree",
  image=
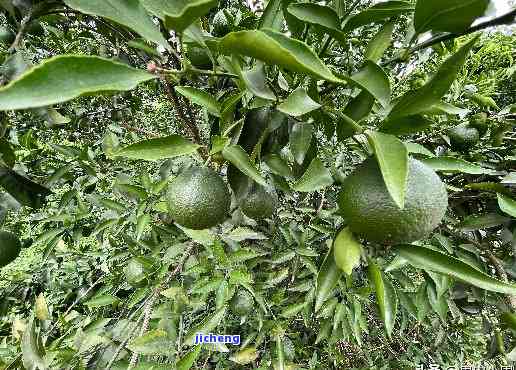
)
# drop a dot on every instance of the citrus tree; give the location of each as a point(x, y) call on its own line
point(333, 182)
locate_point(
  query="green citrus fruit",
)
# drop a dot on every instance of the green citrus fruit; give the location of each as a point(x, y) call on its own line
point(463, 136)
point(259, 203)
point(6, 36)
point(480, 122)
point(199, 57)
point(242, 302)
point(221, 24)
point(10, 248)
point(198, 198)
point(371, 212)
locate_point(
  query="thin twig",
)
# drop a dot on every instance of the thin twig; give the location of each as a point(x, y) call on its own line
point(150, 303)
point(21, 30)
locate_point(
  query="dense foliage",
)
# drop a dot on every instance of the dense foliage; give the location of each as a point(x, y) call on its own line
point(170, 168)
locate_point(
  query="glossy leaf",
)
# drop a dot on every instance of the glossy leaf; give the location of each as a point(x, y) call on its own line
point(319, 16)
point(406, 125)
point(300, 139)
point(316, 177)
point(450, 164)
point(418, 149)
point(417, 101)
point(447, 15)
point(200, 97)
point(272, 17)
point(277, 49)
point(41, 308)
point(185, 13)
point(346, 127)
point(256, 82)
point(380, 42)
point(360, 106)
point(327, 279)
point(240, 159)
point(392, 157)
point(507, 205)
point(385, 295)
point(101, 301)
point(188, 360)
point(374, 80)
point(245, 356)
point(378, 13)
point(154, 342)
point(129, 13)
point(277, 165)
point(25, 191)
point(347, 251)
point(66, 77)
point(432, 260)
point(484, 221)
point(298, 103)
point(158, 148)
point(206, 326)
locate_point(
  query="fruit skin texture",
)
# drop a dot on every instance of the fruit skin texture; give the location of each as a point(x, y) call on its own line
point(221, 25)
point(198, 198)
point(242, 302)
point(479, 121)
point(259, 203)
point(463, 136)
point(371, 213)
point(6, 36)
point(10, 247)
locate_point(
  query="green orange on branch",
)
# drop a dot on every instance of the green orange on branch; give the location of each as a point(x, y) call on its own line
point(463, 136)
point(371, 213)
point(259, 203)
point(198, 198)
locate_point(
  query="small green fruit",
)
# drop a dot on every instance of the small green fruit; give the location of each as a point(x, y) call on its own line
point(242, 302)
point(259, 203)
point(463, 137)
point(10, 248)
point(198, 198)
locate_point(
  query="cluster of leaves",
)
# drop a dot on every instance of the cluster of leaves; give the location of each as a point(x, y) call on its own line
point(104, 102)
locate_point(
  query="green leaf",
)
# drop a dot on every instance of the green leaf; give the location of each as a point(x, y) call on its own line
point(485, 221)
point(447, 15)
point(66, 77)
point(346, 127)
point(207, 325)
point(154, 342)
point(377, 13)
point(347, 251)
point(256, 82)
point(380, 42)
point(449, 164)
point(300, 139)
point(200, 97)
point(298, 103)
point(101, 301)
point(129, 13)
point(143, 221)
point(405, 125)
point(247, 355)
point(385, 295)
point(418, 149)
point(360, 106)
point(277, 165)
point(41, 308)
point(272, 16)
point(277, 49)
point(25, 191)
point(392, 157)
point(293, 309)
point(319, 16)
point(374, 80)
point(507, 205)
point(316, 177)
point(32, 353)
point(7, 156)
point(327, 279)
point(179, 15)
point(158, 148)
point(188, 360)
point(446, 108)
point(240, 159)
point(417, 101)
point(429, 259)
